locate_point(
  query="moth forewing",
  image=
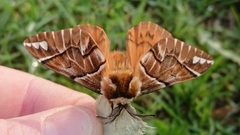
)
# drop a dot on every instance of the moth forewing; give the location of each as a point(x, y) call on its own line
point(72, 52)
point(172, 61)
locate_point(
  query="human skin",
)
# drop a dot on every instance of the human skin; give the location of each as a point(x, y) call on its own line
point(32, 105)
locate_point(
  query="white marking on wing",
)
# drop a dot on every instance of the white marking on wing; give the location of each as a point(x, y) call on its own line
point(195, 72)
point(27, 44)
point(202, 60)
point(180, 53)
point(80, 36)
point(90, 60)
point(63, 40)
point(164, 53)
point(195, 49)
point(35, 45)
point(53, 35)
point(70, 30)
point(189, 48)
point(166, 40)
point(195, 59)
point(175, 43)
point(44, 45)
point(62, 34)
point(99, 55)
point(210, 62)
point(145, 57)
point(45, 58)
point(91, 74)
point(181, 46)
point(152, 66)
point(152, 78)
point(161, 52)
point(85, 46)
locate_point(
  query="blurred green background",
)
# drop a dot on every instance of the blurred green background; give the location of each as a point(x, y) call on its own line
point(208, 105)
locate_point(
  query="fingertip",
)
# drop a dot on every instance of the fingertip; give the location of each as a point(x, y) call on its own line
point(71, 121)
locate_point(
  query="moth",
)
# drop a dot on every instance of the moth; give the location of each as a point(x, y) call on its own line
point(154, 59)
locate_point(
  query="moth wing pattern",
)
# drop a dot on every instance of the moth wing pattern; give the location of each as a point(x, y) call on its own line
point(141, 38)
point(171, 61)
point(83, 53)
point(99, 36)
point(78, 53)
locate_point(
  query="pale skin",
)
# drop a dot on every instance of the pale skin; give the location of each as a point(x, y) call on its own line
point(32, 105)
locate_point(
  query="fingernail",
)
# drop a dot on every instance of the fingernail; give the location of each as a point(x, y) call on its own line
point(70, 121)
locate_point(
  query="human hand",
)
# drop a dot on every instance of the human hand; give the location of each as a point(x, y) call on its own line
point(31, 105)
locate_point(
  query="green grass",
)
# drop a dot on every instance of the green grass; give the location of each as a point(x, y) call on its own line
point(190, 108)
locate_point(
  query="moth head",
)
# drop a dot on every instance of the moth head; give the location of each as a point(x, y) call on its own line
point(120, 87)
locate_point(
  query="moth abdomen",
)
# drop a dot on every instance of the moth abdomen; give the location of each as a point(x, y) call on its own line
point(117, 85)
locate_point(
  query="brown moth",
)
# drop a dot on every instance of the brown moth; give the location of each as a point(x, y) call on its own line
point(154, 59)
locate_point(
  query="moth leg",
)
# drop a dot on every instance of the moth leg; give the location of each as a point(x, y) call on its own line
point(113, 115)
point(134, 114)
